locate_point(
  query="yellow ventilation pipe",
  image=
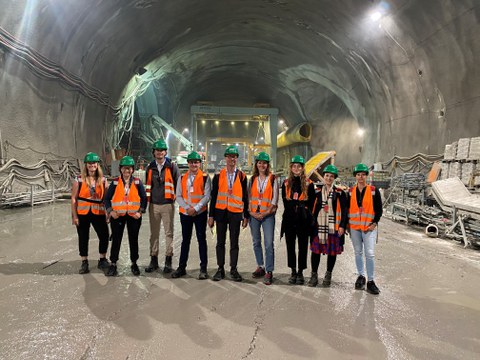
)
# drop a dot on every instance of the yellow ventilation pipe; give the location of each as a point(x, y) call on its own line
point(299, 133)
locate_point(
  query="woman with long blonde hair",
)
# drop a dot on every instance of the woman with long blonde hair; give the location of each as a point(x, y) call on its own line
point(88, 192)
point(298, 194)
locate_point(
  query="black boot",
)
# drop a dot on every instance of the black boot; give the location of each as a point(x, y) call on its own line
point(300, 278)
point(327, 280)
point(313, 280)
point(168, 265)
point(84, 268)
point(372, 288)
point(360, 283)
point(153, 264)
point(179, 272)
point(293, 277)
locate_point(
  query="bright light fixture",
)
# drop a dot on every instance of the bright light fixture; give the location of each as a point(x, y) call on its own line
point(375, 16)
point(217, 122)
point(360, 132)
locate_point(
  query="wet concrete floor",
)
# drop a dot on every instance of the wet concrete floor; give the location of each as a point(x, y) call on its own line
point(429, 307)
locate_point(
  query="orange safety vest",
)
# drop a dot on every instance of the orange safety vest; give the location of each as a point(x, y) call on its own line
point(87, 202)
point(261, 202)
point(361, 218)
point(169, 184)
point(126, 204)
point(198, 191)
point(288, 191)
point(233, 201)
point(338, 211)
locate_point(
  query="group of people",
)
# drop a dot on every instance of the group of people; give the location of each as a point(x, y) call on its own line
point(318, 215)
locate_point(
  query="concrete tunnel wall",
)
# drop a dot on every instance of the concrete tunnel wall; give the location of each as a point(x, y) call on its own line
point(412, 83)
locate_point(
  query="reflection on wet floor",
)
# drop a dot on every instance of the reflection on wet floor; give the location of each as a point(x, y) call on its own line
point(428, 307)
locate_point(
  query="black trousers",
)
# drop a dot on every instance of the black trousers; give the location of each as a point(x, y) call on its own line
point(292, 234)
point(100, 226)
point(232, 221)
point(200, 222)
point(133, 228)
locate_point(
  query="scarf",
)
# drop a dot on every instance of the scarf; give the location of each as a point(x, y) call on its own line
point(326, 216)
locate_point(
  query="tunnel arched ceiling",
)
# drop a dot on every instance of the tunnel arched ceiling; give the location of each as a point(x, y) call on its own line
point(408, 75)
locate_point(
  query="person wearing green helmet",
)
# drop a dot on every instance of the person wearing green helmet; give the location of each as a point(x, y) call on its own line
point(229, 209)
point(88, 191)
point(126, 201)
point(330, 212)
point(162, 175)
point(298, 194)
point(263, 201)
point(193, 193)
point(365, 211)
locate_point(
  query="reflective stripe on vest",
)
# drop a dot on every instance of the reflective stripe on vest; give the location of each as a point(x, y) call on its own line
point(266, 200)
point(361, 218)
point(132, 205)
point(198, 191)
point(169, 184)
point(83, 205)
point(232, 202)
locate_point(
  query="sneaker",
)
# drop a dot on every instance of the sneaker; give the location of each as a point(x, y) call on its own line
point(84, 268)
point(372, 288)
point(327, 280)
point(259, 272)
point(202, 275)
point(179, 273)
point(103, 264)
point(112, 271)
point(219, 275)
point(300, 279)
point(268, 279)
point(313, 280)
point(293, 278)
point(135, 269)
point(360, 283)
point(235, 276)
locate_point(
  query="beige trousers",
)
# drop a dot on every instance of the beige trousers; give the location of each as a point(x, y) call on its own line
point(158, 214)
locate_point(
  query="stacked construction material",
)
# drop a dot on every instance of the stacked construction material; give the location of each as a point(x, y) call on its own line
point(474, 152)
point(444, 173)
point(463, 148)
point(412, 181)
point(467, 171)
point(455, 170)
point(476, 181)
point(450, 151)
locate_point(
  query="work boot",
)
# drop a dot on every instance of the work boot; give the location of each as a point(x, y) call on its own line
point(293, 278)
point(168, 265)
point(268, 279)
point(135, 269)
point(112, 270)
point(179, 273)
point(372, 288)
point(360, 283)
point(84, 268)
point(327, 280)
point(103, 264)
point(313, 280)
point(203, 275)
point(300, 278)
point(153, 264)
point(259, 272)
point(219, 275)
point(235, 276)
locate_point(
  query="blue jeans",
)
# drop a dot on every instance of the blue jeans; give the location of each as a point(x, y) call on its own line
point(268, 225)
point(364, 241)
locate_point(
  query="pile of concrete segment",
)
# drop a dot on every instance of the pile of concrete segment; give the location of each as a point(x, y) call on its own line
point(462, 160)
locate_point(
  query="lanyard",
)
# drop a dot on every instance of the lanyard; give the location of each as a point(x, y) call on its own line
point(262, 185)
point(231, 179)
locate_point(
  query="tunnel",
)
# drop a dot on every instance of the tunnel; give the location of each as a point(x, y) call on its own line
point(403, 73)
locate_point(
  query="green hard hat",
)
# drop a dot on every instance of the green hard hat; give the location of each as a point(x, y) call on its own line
point(263, 156)
point(332, 169)
point(91, 158)
point(127, 161)
point(231, 150)
point(160, 145)
point(298, 159)
point(360, 168)
point(194, 156)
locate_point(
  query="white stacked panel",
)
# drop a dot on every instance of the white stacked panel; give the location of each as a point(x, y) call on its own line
point(450, 152)
point(467, 171)
point(463, 148)
point(444, 173)
point(477, 178)
point(474, 152)
point(455, 170)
